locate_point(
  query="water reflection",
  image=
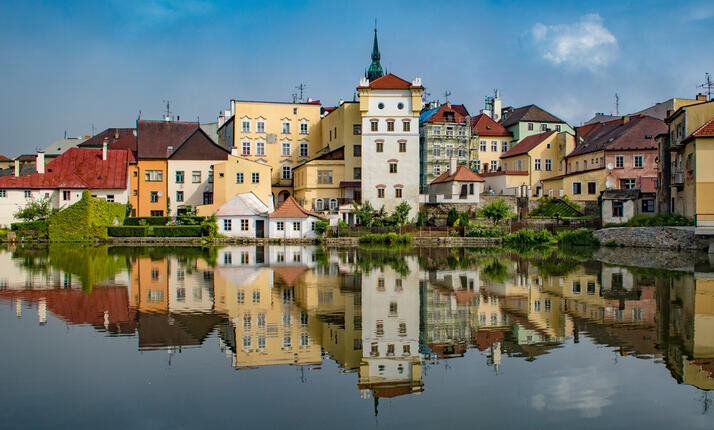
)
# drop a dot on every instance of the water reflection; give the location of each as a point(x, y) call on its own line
point(387, 316)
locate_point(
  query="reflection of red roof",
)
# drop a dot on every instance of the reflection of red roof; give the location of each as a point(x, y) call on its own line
point(464, 296)
point(484, 339)
point(78, 168)
point(505, 172)
point(484, 125)
point(706, 364)
point(528, 143)
point(289, 275)
point(291, 209)
point(391, 82)
point(463, 174)
point(390, 389)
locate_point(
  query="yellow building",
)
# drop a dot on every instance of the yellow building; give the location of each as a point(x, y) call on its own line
point(318, 182)
point(342, 127)
point(280, 135)
point(489, 140)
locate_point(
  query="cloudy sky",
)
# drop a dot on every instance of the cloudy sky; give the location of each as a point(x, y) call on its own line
point(76, 66)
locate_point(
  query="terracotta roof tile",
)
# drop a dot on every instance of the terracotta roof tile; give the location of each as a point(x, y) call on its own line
point(463, 174)
point(4, 158)
point(291, 209)
point(636, 133)
point(289, 275)
point(528, 143)
point(458, 114)
point(484, 125)
point(391, 82)
point(706, 130)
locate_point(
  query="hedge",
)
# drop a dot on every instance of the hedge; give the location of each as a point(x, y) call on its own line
point(85, 220)
point(386, 239)
point(190, 220)
point(177, 231)
point(149, 220)
point(128, 231)
point(579, 237)
point(31, 226)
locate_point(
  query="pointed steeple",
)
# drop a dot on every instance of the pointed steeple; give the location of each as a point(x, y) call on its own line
point(375, 69)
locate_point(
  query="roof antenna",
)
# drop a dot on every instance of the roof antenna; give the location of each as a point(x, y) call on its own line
point(707, 85)
point(447, 93)
point(617, 105)
point(167, 117)
point(139, 117)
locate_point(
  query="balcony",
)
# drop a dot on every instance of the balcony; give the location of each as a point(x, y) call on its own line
point(677, 178)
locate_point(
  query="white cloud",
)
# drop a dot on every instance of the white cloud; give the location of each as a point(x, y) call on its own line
point(582, 44)
point(582, 390)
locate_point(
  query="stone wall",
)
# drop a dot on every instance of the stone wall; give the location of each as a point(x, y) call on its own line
point(653, 237)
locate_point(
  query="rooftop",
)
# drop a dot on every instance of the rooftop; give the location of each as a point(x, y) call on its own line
point(247, 204)
point(390, 82)
point(291, 209)
point(158, 139)
point(629, 133)
point(462, 174)
point(530, 113)
point(111, 135)
point(484, 125)
point(528, 143)
point(445, 113)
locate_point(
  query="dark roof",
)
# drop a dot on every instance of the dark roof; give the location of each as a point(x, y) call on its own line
point(25, 170)
point(620, 194)
point(631, 133)
point(391, 82)
point(459, 113)
point(335, 154)
point(530, 113)
point(26, 158)
point(154, 138)
point(111, 135)
point(77, 168)
point(199, 146)
point(528, 143)
point(463, 174)
point(484, 125)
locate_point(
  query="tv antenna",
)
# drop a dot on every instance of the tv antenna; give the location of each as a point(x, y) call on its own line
point(92, 125)
point(617, 105)
point(167, 117)
point(298, 96)
point(708, 85)
point(447, 93)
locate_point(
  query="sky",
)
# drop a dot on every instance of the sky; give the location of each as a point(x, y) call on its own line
point(83, 66)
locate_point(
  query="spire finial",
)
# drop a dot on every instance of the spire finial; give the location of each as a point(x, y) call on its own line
point(375, 69)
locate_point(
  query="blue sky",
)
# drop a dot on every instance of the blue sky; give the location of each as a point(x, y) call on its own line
point(71, 65)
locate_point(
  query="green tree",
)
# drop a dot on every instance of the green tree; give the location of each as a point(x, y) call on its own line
point(364, 213)
point(401, 213)
point(452, 216)
point(35, 209)
point(420, 219)
point(321, 226)
point(495, 211)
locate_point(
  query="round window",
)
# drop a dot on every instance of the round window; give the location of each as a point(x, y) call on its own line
point(400, 105)
point(381, 105)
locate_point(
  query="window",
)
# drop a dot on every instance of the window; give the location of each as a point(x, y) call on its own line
point(592, 187)
point(585, 164)
point(390, 125)
point(544, 127)
point(392, 308)
point(207, 198)
point(402, 146)
point(436, 151)
point(482, 146)
point(437, 169)
point(494, 146)
point(504, 146)
point(647, 206)
point(577, 165)
point(628, 184)
point(179, 196)
point(296, 226)
point(436, 130)
point(239, 178)
point(66, 195)
point(286, 172)
point(154, 175)
point(494, 165)
point(285, 152)
point(449, 131)
point(324, 176)
point(240, 297)
point(357, 150)
point(179, 176)
point(303, 128)
point(260, 317)
point(406, 125)
point(576, 287)
point(286, 128)
point(357, 173)
point(246, 148)
point(3, 193)
point(380, 146)
point(638, 161)
point(577, 188)
point(154, 196)
point(591, 287)
point(617, 209)
point(392, 167)
point(280, 226)
point(356, 129)
point(227, 225)
point(255, 177)
point(244, 225)
point(548, 164)
point(380, 193)
point(557, 127)
point(530, 126)
point(461, 153)
point(196, 176)
point(259, 148)
point(619, 161)
point(537, 163)
point(210, 175)
point(157, 213)
point(303, 149)
point(333, 204)
point(245, 126)
point(375, 125)
point(260, 127)
point(398, 193)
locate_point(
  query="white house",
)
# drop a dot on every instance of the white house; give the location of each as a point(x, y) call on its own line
point(292, 221)
point(245, 215)
point(456, 185)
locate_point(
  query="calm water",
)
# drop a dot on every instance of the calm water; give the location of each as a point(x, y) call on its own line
point(254, 337)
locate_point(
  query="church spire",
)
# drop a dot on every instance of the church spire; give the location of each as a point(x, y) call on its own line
point(375, 69)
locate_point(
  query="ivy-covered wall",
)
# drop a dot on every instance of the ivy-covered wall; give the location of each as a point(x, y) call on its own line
point(85, 220)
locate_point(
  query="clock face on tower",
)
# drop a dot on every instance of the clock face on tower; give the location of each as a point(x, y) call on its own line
point(381, 105)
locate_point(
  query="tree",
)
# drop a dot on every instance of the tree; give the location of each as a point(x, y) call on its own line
point(401, 213)
point(452, 216)
point(321, 226)
point(463, 220)
point(35, 209)
point(364, 213)
point(420, 219)
point(496, 210)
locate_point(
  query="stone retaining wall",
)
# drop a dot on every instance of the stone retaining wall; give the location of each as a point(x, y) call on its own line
point(653, 237)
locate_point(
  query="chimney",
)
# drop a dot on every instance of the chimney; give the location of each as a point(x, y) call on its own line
point(104, 151)
point(701, 97)
point(452, 165)
point(40, 162)
point(116, 133)
point(234, 151)
point(497, 107)
point(17, 167)
point(448, 105)
point(625, 119)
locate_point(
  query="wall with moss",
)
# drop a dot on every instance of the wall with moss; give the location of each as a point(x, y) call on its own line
point(85, 220)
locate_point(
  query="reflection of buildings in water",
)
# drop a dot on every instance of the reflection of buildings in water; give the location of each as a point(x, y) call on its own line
point(391, 363)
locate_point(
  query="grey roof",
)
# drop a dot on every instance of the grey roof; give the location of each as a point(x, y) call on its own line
point(211, 129)
point(620, 194)
point(60, 146)
point(658, 110)
point(25, 170)
point(601, 117)
point(530, 113)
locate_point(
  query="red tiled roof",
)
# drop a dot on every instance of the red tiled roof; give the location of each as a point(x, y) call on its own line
point(26, 157)
point(155, 137)
point(457, 110)
point(390, 82)
point(463, 174)
point(528, 143)
point(4, 158)
point(706, 130)
point(636, 133)
point(77, 168)
point(111, 135)
point(484, 125)
point(291, 209)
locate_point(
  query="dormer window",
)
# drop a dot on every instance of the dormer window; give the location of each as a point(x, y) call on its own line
point(449, 116)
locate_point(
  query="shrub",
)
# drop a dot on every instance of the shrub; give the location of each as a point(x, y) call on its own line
point(148, 220)
point(579, 237)
point(420, 219)
point(177, 231)
point(385, 239)
point(463, 220)
point(611, 244)
point(209, 228)
point(483, 231)
point(31, 229)
point(190, 220)
point(528, 237)
point(85, 220)
point(495, 211)
point(562, 207)
point(452, 216)
point(128, 231)
point(661, 220)
point(321, 226)
point(35, 209)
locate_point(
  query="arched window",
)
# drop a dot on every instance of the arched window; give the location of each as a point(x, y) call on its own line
point(318, 204)
point(333, 204)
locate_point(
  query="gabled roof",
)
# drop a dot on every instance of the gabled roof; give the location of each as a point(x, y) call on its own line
point(439, 114)
point(77, 168)
point(528, 143)
point(61, 145)
point(246, 204)
point(289, 274)
point(484, 125)
point(111, 135)
point(154, 138)
point(530, 113)
point(26, 158)
point(706, 130)
point(627, 134)
point(291, 209)
point(390, 82)
point(4, 158)
point(463, 174)
point(335, 154)
point(198, 146)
